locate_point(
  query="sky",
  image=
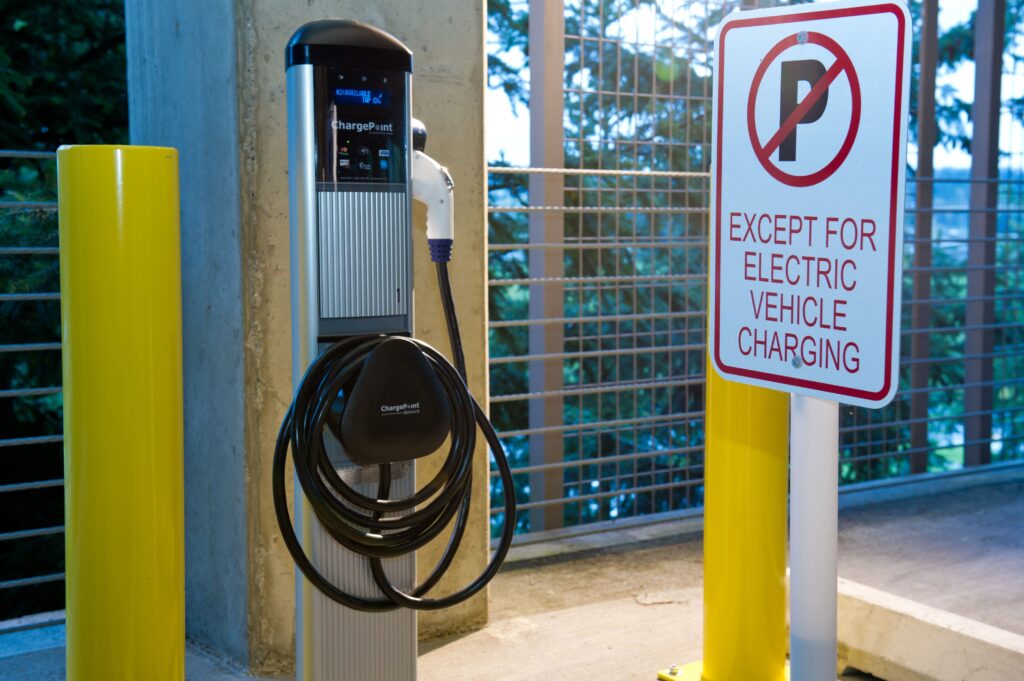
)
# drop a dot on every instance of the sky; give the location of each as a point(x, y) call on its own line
point(508, 130)
point(951, 13)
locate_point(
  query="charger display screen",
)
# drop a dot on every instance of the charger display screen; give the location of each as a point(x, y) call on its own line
point(361, 126)
point(362, 96)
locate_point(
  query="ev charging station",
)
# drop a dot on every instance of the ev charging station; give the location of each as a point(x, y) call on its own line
point(369, 398)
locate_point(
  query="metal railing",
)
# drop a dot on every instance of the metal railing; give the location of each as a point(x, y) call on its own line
point(31, 477)
point(597, 289)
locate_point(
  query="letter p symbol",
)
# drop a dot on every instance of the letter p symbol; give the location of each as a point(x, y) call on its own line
point(809, 71)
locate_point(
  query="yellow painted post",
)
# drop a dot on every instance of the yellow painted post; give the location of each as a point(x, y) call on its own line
point(123, 463)
point(747, 477)
point(746, 482)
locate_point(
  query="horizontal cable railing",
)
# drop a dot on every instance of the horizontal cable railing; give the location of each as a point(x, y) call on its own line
point(594, 209)
point(21, 153)
point(31, 444)
point(594, 172)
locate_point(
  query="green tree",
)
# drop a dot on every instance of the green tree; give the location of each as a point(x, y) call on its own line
point(62, 73)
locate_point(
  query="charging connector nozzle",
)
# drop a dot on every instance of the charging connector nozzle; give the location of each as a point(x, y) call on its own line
point(433, 185)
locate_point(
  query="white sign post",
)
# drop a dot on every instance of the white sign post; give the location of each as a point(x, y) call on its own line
point(808, 163)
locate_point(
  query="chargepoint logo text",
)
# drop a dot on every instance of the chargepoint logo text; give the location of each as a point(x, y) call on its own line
point(397, 409)
point(368, 126)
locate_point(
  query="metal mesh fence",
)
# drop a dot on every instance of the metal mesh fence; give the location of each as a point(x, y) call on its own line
point(1007, 427)
point(607, 421)
point(624, 399)
point(31, 474)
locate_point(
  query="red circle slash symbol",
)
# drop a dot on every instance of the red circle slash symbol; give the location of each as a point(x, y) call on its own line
point(764, 151)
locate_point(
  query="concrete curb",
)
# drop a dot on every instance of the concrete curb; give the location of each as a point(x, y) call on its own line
point(902, 640)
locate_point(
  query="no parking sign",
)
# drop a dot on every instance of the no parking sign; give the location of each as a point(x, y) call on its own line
point(809, 155)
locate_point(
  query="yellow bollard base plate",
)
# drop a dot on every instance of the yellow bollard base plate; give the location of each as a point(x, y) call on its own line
point(691, 672)
point(687, 672)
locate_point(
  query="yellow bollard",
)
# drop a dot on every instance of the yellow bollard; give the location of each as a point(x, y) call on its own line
point(123, 453)
point(746, 481)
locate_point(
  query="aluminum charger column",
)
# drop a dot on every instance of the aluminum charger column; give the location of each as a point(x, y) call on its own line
point(349, 160)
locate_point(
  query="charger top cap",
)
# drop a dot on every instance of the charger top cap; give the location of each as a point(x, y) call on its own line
point(347, 44)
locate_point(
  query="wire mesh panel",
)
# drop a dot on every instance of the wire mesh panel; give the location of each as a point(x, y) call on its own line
point(31, 458)
point(604, 419)
point(631, 280)
point(1007, 427)
point(968, 284)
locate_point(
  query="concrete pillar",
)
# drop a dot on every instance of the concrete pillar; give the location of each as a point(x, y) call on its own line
point(207, 77)
point(173, 56)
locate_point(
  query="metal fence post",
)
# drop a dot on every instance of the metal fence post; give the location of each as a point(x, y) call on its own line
point(980, 312)
point(547, 150)
point(920, 344)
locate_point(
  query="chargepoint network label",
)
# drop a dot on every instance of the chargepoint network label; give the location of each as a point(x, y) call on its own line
point(809, 149)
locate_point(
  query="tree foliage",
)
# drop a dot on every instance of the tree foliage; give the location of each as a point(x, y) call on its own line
point(955, 48)
point(62, 81)
point(62, 73)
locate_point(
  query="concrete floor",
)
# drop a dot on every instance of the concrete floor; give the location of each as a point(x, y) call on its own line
point(962, 552)
point(621, 613)
point(44, 660)
point(624, 613)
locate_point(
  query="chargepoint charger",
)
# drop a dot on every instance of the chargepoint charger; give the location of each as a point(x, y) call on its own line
point(369, 398)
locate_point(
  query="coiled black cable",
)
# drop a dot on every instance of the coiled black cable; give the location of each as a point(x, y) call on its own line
point(379, 528)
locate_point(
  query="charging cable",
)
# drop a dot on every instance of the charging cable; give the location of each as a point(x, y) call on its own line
point(380, 527)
